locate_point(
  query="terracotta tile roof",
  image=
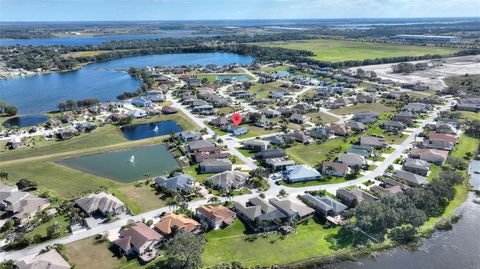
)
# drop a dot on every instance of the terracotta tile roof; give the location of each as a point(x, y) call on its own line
point(170, 220)
point(217, 213)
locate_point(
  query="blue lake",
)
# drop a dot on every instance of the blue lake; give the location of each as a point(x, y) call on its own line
point(34, 94)
point(148, 130)
point(126, 165)
point(81, 41)
point(25, 121)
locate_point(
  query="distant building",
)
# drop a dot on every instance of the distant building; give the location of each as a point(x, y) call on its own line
point(428, 38)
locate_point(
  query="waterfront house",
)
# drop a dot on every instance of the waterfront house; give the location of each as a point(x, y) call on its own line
point(179, 183)
point(188, 136)
point(101, 203)
point(26, 208)
point(196, 145)
point(295, 211)
point(353, 197)
point(141, 102)
point(209, 166)
point(66, 133)
point(169, 110)
point(213, 153)
point(324, 205)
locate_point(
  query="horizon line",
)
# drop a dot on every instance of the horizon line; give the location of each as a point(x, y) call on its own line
point(258, 19)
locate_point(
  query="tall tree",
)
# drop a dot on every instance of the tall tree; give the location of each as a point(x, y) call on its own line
point(184, 251)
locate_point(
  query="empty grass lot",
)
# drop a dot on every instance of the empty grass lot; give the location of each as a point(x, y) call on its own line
point(230, 244)
point(314, 153)
point(263, 90)
point(375, 107)
point(343, 50)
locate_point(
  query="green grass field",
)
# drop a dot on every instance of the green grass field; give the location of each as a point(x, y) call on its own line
point(38, 164)
point(263, 90)
point(314, 153)
point(343, 50)
point(104, 138)
point(230, 245)
point(375, 107)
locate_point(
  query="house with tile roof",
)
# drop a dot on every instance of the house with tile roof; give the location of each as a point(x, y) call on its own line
point(172, 221)
point(217, 216)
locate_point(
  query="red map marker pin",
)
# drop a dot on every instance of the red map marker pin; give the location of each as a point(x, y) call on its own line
point(236, 119)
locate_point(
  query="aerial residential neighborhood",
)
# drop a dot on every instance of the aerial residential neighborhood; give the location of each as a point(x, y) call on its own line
point(171, 142)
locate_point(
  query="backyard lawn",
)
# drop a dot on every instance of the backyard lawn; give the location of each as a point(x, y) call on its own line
point(232, 244)
point(83, 252)
point(343, 50)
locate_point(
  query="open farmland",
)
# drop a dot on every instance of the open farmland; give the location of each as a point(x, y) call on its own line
point(342, 50)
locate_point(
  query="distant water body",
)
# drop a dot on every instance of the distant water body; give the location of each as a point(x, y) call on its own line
point(35, 94)
point(95, 40)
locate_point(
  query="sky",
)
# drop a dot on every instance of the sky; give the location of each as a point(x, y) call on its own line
point(107, 10)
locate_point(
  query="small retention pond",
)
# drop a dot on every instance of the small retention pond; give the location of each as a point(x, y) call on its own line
point(127, 165)
point(25, 121)
point(148, 130)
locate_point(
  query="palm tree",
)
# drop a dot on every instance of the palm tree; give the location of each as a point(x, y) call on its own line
point(213, 200)
point(172, 203)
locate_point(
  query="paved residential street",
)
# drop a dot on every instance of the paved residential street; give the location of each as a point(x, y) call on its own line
point(230, 143)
